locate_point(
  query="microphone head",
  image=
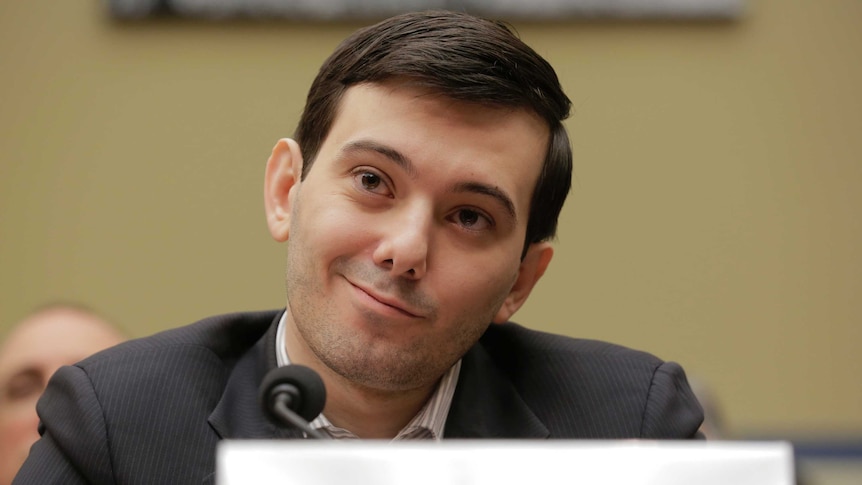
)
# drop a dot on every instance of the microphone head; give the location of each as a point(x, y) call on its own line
point(309, 399)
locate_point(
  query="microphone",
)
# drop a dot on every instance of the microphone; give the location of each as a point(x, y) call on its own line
point(293, 395)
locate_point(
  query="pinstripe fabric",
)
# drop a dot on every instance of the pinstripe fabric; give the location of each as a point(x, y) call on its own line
point(152, 410)
point(426, 425)
point(568, 388)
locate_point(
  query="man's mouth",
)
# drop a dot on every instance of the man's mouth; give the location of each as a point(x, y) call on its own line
point(394, 303)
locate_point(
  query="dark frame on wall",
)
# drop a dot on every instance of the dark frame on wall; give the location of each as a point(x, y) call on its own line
point(333, 10)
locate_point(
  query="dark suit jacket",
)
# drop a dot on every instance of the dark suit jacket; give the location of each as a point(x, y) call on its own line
point(152, 410)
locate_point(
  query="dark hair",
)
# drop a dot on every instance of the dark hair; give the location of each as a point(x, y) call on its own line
point(464, 58)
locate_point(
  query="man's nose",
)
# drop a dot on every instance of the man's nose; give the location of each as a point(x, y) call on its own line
point(403, 247)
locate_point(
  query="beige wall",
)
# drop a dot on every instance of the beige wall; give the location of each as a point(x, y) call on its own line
point(715, 216)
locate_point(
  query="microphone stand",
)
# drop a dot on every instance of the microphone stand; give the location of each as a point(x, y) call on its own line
point(281, 405)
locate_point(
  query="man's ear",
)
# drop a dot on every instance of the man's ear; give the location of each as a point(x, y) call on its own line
point(532, 268)
point(281, 184)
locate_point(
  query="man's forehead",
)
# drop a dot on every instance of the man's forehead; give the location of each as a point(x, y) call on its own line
point(56, 334)
point(361, 100)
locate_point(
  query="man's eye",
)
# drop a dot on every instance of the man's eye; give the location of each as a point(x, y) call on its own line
point(24, 385)
point(468, 218)
point(473, 220)
point(370, 181)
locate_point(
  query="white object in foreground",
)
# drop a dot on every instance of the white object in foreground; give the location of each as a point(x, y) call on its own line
point(484, 462)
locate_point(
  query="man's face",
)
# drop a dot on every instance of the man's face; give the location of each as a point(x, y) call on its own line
point(29, 356)
point(405, 237)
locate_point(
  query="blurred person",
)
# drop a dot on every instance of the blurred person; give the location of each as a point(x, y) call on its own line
point(50, 337)
point(417, 201)
point(713, 427)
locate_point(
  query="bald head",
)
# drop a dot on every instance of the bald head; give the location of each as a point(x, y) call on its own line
point(41, 343)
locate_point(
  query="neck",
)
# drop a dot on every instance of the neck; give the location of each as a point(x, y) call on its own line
point(371, 413)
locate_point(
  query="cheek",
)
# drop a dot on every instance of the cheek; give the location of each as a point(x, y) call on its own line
point(18, 423)
point(325, 227)
point(342, 235)
point(477, 286)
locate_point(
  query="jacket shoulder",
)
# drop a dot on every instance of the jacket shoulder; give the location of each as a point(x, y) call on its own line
point(592, 389)
point(512, 345)
point(224, 335)
point(143, 406)
point(176, 367)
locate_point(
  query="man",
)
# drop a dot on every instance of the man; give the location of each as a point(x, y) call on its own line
point(52, 336)
point(417, 200)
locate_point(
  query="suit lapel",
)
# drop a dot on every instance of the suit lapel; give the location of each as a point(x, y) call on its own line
point(238, 414)
point(487, 405)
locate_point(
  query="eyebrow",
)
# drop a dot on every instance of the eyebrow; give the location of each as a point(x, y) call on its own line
point(496, 193)
point(392, 154)
point(404, 162)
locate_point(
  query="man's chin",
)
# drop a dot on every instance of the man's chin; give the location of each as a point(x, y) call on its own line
point(381, 376)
